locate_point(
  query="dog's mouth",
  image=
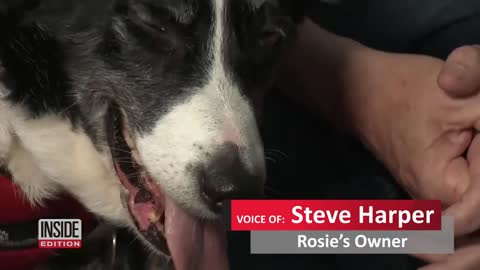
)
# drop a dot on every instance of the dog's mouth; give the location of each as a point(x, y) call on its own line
point(186, 241)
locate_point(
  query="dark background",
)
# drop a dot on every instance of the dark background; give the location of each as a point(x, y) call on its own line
point(317, 162)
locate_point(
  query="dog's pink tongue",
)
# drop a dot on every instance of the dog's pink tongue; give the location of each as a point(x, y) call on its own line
point(194, 244)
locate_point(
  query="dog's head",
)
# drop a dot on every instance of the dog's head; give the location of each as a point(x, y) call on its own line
point(173, 88)
point(188, 80)
point(191, 74)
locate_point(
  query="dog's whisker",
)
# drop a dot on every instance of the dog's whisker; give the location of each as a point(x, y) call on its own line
point(126, 162)
point(276, 153)
point(135, 238)
point(118, 150)
point(110, 147)
point(133, 174)
point(124, 159)
point(271, 159)
point(271, 154)
point(122, 151)
point(69, 107)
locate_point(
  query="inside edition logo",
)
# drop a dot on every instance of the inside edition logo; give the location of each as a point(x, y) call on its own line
point(60, 233)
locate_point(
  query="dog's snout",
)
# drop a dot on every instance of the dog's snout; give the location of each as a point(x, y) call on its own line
point(226, 177)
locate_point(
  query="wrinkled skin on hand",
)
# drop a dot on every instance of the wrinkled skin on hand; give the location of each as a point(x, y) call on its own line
point(425, 130)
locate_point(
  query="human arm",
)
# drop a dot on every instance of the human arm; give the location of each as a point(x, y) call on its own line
point(417, 114)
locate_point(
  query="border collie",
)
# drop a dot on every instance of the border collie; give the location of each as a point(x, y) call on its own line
point(144, 110)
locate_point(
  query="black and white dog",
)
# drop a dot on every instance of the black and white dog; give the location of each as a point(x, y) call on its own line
point(143, 110)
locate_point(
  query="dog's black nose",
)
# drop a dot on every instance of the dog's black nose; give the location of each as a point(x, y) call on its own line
point(226, 177)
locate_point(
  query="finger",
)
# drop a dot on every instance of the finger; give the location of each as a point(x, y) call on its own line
point(454, 178)
point(457, 178)
point(467, 258)
point(460, 243)
point(432, 258)
point(468, 240)
point(465, 211)
point(456, 182)
point(460, 76)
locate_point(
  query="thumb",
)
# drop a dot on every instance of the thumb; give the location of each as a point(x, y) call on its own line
point(464, 259)
point(460, 75)
point(465, 211)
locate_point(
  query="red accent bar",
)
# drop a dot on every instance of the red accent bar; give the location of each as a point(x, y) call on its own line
point(328, 215)
point(60, 244)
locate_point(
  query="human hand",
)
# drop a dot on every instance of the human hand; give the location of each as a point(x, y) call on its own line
point(460, 79)
point(414, 127)
point(395, 105)
point(421, 133)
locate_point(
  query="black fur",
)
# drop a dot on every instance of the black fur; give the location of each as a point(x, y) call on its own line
point(68, 56)
point(33, 59)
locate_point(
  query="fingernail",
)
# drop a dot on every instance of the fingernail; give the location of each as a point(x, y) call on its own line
point(456, 70)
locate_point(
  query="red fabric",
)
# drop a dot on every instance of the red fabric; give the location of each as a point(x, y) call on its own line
point(15, 209)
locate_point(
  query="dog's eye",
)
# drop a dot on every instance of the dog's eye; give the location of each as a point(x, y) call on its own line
point(154, 19)
point(271, 37)
point(160, 28)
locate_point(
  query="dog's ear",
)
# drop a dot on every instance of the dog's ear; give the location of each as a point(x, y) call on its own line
point(280, 18)
point(121, 6)
point(16, 7)
point(296, 9)
point(11, 13)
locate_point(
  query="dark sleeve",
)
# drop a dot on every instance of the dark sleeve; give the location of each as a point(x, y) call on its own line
point(434, 27)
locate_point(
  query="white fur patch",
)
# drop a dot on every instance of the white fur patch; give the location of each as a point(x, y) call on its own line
point(5, 130)
point(45, 155)
point(29, 177)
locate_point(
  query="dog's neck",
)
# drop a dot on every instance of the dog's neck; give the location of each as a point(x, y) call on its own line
point(45, 154)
